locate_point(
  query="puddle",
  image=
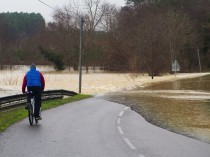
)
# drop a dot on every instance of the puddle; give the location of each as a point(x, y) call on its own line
point(182, 106)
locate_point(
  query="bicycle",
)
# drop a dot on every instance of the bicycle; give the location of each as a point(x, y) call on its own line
point(30, 107)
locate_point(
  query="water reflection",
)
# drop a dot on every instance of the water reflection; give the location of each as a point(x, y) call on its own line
point(200, 83)
point(176, 85)
point(182, 106)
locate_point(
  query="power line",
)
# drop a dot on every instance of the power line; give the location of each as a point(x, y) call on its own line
point(48, 5)
point(55, 8)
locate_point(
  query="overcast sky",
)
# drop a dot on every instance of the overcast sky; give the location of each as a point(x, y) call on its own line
point(37, 7)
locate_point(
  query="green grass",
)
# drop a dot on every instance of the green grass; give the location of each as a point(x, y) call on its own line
point(10, 117)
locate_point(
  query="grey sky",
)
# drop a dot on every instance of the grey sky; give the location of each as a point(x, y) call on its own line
point(37, 7)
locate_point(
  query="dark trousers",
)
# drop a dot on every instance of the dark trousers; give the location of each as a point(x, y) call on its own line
point(35, 91)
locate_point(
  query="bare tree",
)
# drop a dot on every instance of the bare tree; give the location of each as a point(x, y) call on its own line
point(153, 37)
point(180, 35)
point(67, 21)
point(110, 18)
point(95, 14)
point(95, 11)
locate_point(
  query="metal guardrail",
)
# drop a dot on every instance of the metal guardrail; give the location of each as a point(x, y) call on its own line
point(19, 100)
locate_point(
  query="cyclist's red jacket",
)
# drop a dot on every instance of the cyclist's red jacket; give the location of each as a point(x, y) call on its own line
point(33, 78)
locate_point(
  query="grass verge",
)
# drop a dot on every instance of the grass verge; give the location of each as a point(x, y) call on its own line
point(10, 117)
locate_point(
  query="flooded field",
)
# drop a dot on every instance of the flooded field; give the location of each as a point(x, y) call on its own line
point(181, 106)
point(94, 82)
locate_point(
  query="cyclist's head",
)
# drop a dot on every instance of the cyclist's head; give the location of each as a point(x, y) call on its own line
point(33, 66)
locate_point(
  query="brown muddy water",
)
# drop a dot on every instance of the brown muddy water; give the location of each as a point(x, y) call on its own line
point(181, 106)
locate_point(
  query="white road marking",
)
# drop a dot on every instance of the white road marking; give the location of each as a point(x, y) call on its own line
point(120, 130)
point(121, 113)
point(129, 143)
point(118, 121)
point(126, 108)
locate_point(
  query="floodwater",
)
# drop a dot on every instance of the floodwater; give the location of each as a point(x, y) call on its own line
point(181, 106)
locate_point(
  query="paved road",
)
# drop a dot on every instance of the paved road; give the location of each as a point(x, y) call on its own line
point(96, 128)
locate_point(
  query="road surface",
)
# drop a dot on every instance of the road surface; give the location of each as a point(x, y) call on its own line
point(96, 128)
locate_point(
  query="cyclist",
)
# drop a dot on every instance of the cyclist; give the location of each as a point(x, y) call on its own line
point(35, 83)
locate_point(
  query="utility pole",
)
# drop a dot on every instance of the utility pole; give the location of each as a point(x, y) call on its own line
point(152, 66)
point(80, 46)
point(199, 60)
point(80, 53)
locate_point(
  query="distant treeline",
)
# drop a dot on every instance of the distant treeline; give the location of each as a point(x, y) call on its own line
point(144, 36)
point(16, 24)
point(18, 32)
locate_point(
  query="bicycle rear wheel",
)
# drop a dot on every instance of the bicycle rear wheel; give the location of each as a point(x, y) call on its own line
point(30, 114)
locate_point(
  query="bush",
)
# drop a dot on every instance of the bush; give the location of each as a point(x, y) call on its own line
point(56, 59)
